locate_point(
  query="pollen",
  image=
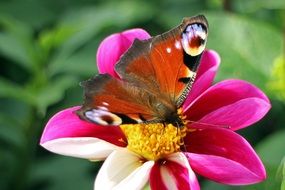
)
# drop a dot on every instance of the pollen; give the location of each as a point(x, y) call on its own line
point(154, 140)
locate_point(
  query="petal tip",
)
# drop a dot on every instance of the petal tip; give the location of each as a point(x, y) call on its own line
point(114, 46)
point(138, 33)
point(55, 120)
point(215, 55)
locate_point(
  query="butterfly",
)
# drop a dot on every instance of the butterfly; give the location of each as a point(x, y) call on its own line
point(155, 77)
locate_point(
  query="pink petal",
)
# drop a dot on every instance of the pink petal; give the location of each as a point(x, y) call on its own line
point(138, 33)
point(224, 94)
point(206, 73)
point(236, 116)
point(114, 46)
point(123, 170)
point(210, 60)
point(81, 147)
point(67, 124)
point(224, 156)
point(173, 172)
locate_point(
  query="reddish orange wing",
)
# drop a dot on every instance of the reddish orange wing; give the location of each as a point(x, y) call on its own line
point(156, 76)
point(167, 63)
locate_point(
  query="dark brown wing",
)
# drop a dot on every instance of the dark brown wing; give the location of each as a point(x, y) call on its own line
point(109, 101)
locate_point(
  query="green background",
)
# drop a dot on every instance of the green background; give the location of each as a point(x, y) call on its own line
point(48, 47)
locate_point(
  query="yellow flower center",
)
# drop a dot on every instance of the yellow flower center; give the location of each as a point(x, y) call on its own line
point(154, 140)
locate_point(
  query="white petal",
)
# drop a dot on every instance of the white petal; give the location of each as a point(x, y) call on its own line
point(123, 170)
point(83, 147)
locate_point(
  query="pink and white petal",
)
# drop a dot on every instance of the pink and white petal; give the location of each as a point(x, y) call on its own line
point(222, 94)
point(235, 116)
point(206, 73)
point(181, 160)
point(224, 156)
point(84, 147)
point(66, 124)
point(155, 178)
point(174, 172)
point(114, 46)
point(123, 170)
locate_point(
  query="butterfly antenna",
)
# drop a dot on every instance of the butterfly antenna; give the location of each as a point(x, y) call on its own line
point(209, 124)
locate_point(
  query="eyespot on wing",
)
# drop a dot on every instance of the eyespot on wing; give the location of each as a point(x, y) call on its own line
point(194, 38)
point(103, 117)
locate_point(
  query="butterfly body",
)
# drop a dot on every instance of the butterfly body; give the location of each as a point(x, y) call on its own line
point(155, 77)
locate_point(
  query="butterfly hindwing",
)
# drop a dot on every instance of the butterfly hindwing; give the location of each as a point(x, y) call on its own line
point(109, 101)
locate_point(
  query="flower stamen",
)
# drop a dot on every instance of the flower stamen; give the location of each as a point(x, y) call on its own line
point(154, 140)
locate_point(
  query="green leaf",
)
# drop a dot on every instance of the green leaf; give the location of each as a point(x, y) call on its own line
point(8, 162)
point(87, 23)
point(54, 91)
point(15, 113)
point(277, 4)
point(82, 63)
point(171, 12)
point(276, 84)
point(53, 38)
point(11, 90)
point(147, 187)
point(255, 5)
point(34, 13)
point(247, 47)
point(271, 151)
point(12, 49)
point(16, 43)
point(59, 173)
point(282, 171)
point(210, 185)
point(11, 131)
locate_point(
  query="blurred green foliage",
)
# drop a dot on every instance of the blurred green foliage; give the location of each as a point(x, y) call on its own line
point(48, 47)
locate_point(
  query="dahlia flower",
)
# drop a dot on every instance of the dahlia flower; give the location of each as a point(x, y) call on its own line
point(209, 146)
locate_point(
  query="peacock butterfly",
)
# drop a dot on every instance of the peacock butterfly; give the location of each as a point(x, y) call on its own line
point(155, 77)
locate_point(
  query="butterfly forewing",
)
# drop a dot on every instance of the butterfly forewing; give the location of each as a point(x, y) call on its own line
point(156, 74)
point(166, 65)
